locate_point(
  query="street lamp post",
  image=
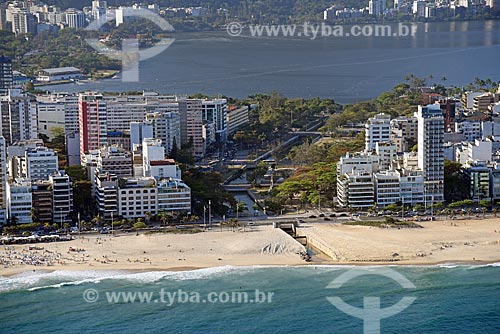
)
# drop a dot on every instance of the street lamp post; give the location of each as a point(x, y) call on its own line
point(209, 214)
point(319, 200)
point(204, 217)
point(403, 208)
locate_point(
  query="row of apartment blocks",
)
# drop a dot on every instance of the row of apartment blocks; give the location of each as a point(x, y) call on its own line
point(32, 17)
point(23, 17)
point(379, 176)
point(417, 8)
point(32, 186)
point(132, 184)
point(124, 184)
point(466, 131)
point(173, 119)
point(91, 120)
point(176, 120)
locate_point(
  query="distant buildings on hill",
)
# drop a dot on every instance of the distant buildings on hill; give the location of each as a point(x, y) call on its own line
point(415, 9)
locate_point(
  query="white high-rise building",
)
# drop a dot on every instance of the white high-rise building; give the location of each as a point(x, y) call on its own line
point(356, 189)
point(19, 201)
point(18, 116)
point(152, 150)
point(377, 130)
point(236, 118)
point(386, 187)
point(139, 131)
point(3, 181)
point(137, 197)
point(377, 7)
point(57, 110)
point(431, 150)
point(418, 8)
point(215, 111)
point(99, 9)
point(50, 117)
point(40, 163)
point(351, 162)
point(167, 127)
point(173, 195)
point(75, 18)
point(120, 111)
point(62, 196)
point(23, 22)
point(192, 125)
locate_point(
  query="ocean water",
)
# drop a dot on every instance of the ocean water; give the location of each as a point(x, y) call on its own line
point(347, 69)
point(449, 299)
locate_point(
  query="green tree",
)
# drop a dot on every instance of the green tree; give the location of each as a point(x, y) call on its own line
point(76, 173)
point(163, 216)
point(456, 187)
point(485, 203)
point(139, 224)
point(82, 196)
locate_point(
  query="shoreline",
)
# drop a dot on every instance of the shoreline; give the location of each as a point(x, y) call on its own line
point(458, 263)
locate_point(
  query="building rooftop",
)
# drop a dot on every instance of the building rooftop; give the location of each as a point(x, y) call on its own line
point(166, 162)
point(59, 70)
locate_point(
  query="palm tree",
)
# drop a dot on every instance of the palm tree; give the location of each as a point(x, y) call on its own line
point(34, 214)
point(240, 207)
point(193, 219)
point(97, 220)
point(162, 214)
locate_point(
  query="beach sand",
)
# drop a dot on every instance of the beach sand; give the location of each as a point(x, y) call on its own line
point(452, 241)
point(261, 245)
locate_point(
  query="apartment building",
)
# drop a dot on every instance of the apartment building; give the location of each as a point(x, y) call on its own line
point(19, 201)
point(18, 116)
point(92, 118)
point(137, 197)
point(377, 129)
point(431, 150)
point(62, 197)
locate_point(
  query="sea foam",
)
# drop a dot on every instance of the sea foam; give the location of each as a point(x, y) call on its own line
point(33, 281)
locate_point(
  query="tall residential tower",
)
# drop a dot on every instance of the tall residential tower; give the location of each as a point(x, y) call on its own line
point(430, 150)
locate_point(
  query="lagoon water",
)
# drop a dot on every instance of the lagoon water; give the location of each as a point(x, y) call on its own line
point(449, 299)
point(347, 69)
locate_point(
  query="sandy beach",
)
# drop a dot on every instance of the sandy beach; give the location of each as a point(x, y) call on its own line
point(452, 241)
point(257, 246)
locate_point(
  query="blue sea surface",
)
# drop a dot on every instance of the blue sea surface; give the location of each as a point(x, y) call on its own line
point(449, 299)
